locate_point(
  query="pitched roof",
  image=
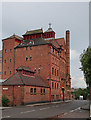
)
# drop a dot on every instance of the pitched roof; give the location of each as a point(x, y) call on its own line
point(14, 36)
point(36, 41)
point(25, 69)
point(20, 79)
point(33, 32)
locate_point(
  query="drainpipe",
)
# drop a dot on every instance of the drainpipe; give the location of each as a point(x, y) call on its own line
point(13, 95)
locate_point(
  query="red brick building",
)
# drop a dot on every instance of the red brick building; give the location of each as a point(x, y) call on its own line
point(47, 56)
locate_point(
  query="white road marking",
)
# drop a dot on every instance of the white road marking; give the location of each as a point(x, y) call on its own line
point(27, 111)
point(75, 109)
point(44, 108)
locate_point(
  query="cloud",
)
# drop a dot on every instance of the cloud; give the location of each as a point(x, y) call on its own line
point(78, 82)
point(74, 54)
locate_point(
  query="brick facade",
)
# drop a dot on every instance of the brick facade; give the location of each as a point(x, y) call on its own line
point(47, 56)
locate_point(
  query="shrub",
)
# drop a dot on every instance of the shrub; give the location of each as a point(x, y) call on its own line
point(5, 101)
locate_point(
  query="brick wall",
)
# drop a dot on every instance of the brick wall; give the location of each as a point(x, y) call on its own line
point(8, 57)
point(38, 97)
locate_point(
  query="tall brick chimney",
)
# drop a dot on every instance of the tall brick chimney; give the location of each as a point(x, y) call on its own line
point(68, 51)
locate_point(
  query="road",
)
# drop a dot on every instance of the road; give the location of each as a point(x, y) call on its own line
point(44, 111)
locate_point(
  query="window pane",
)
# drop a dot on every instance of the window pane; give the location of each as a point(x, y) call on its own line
point(34, 90)
point(31, 90)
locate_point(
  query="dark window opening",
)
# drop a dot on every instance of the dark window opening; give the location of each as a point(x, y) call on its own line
point(30, 58)
point(44, 91)
point(10, 60)
point(35, 70)
point(31, 91)
point(52, 71)
point(55, 72)
point(55, 85)
point(10, 50)
point(5, 50)
point(5, 61)
point(39, 70)
point(34, 90)
point(41, 91)
point(5, 72)
point(10, 72)
point(30, 47)
point(53, 50)
point(26, 48)
point(26, 58)
point(52, 85)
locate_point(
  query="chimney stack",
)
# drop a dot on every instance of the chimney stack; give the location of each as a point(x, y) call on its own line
point(68, 51)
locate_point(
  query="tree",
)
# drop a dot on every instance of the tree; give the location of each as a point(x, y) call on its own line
point(85, 59)
point(5, 101)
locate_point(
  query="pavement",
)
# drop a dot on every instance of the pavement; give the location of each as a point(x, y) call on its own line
point(80, 112)
point(38, 104)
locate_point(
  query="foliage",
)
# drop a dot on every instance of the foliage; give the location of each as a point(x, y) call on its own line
point(85, 59)
point(5, 101)
point(82, 92)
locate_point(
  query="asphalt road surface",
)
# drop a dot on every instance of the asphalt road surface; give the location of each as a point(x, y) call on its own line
point(44, 111)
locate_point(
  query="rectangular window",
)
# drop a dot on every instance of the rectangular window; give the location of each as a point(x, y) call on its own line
point(10, 72)
point(39, 70)
point(55, 85)
point(30, 47)
point(57, 72)
point(10, 60)
point(26, 48)
point(52, 85)
point(41, 91)
point(26, 58)
point(5, 72)
point(30, 58)
point(5, 50)
point(34, 90)
point(35, 70)
point(52, 71)
point(10, 50)
point(44, 91)
point(5, 61)
point(31, 91)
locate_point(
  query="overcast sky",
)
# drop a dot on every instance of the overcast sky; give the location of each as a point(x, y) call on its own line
point(18, 17)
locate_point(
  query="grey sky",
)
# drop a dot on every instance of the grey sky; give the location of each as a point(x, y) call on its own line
point(20, 17)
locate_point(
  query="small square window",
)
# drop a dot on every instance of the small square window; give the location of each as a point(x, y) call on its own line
point(10, 50)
